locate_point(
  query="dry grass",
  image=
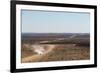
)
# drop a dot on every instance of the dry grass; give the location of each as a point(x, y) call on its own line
point(63, 52)
point(67, 53)
point(25, 52)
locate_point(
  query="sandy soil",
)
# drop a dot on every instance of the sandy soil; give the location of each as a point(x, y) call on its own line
point(58, 52)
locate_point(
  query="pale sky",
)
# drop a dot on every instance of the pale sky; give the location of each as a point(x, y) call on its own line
point(54, 22)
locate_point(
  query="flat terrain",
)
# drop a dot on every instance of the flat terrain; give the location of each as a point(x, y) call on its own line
point(58, 53)
point(44, 47)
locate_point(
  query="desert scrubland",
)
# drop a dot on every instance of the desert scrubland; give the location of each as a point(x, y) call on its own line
point(54, 47)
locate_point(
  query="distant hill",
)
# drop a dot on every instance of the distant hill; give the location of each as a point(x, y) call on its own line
point(54, 35)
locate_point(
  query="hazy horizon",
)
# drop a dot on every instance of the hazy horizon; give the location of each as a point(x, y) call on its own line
point(54, 33)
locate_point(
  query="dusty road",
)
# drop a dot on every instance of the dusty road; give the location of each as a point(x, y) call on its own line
point(37, 57)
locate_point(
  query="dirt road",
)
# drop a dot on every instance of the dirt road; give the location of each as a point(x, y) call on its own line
point(37, 57)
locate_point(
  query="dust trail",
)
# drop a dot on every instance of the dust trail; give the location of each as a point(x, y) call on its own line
point(73, 36)
point(41, 51)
